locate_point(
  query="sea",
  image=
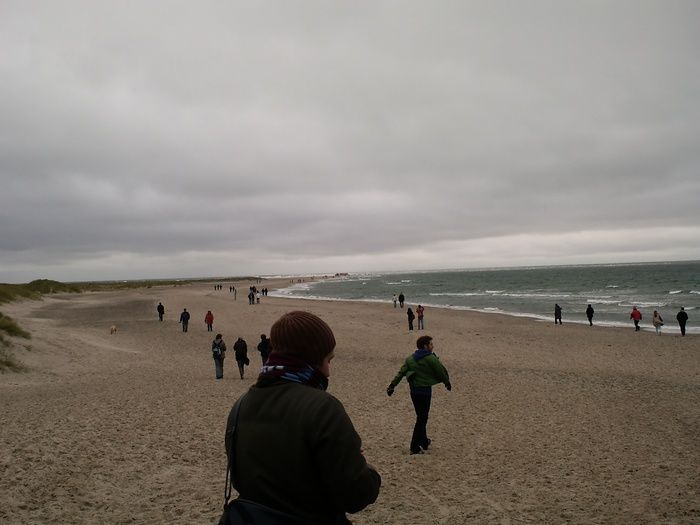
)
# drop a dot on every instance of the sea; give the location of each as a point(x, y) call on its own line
point(612, 290)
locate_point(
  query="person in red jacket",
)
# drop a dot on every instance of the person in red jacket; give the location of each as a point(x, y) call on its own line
point(636, 316)
point(209, 320)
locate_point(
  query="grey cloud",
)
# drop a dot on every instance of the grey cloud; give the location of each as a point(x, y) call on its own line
point(318, 132)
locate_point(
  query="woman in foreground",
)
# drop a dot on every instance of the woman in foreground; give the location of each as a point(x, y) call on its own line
point(295, 448)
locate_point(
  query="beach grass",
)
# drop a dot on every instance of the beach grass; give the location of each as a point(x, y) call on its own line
point(10, 328)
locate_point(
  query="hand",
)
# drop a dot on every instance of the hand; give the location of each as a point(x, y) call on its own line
point(390, 391)
point(448, 386)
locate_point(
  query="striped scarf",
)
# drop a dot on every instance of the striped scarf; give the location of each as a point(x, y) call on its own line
point(291, 368)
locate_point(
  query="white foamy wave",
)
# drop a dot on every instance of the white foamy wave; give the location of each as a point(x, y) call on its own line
point(674, 292)
point(405, 280)
point(596, 300)
point(494, 291)
point(393, 283)
point(644, 305)
point(613, 286)
point(538, 295)
point(456, 294)
point(695, 291)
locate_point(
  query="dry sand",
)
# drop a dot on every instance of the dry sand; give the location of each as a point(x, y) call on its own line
point(545, 423)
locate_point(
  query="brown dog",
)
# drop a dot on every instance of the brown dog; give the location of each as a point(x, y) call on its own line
point(113, 329)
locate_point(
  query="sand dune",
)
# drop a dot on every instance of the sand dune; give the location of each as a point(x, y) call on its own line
point(545, 424)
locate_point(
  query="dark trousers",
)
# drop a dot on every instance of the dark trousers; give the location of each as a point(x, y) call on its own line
point(410, 324)
point(636, 325)
point(241, 366)
point(184, 326)
point(682, 325)
point(160, 317)
point(210, 328)
point(421, 404)
point(219, 367)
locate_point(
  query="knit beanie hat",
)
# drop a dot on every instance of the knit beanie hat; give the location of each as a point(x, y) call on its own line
point(302, 334)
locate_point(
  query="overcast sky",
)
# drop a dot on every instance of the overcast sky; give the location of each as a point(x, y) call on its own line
point(152, 139)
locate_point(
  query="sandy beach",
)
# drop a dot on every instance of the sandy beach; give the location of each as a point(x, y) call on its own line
point(545, 423)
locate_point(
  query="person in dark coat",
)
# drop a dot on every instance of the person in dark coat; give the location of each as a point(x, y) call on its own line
point(557, 313)
point(161, 311)
point(589, 313)
point(264, 347)
point(184, 319)
point(411, 317)
point(401, 299)
point(240, 348)
point(218, 350)
point(320, 473)
point(682, 318)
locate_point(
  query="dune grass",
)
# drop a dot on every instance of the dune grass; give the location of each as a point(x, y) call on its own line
point(10, 328)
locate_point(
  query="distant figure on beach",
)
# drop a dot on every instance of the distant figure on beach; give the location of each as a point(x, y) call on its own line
point(557, 313)
point(319, 473)
point(589, 313)
point(251, 297)
point(422, 370)
point(682, 318)
point(257, 297)
point(209, 320)
point(395, 300)
point(636, 316)
point(401, 299)
point(161, 311)
point(419, 313)
point(218, 350)
point(657, 321)
point(264, 348)
point(184, 319)
point(411, 317)
point(240, 348)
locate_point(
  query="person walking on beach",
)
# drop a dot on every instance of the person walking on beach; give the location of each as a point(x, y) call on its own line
point(264, 348)
point(218, 350)
point(320, 473)
point(589, 313)
point(240, 348)
point(184, 319)
point(419, 312)
point(657, 321)
point(161, 311)
point(422, 370)
point(209, 320)
point(557, 313)
point(401, 299)
point(395, 300)
point(682, 318)
point(411, 317)
point(636, 316)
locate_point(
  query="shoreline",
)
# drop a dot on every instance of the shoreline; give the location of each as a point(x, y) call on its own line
point(544, 424)
point(690, 330)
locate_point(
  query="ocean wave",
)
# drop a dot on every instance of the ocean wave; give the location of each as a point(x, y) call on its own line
point(695, 291)
point(596, 300)
point(613, 286)
point(494, 291)
point(456, 294)
point(643, 304)
point(674, 292)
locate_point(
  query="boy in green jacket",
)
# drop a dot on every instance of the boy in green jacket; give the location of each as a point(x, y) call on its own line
point(422, 369)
